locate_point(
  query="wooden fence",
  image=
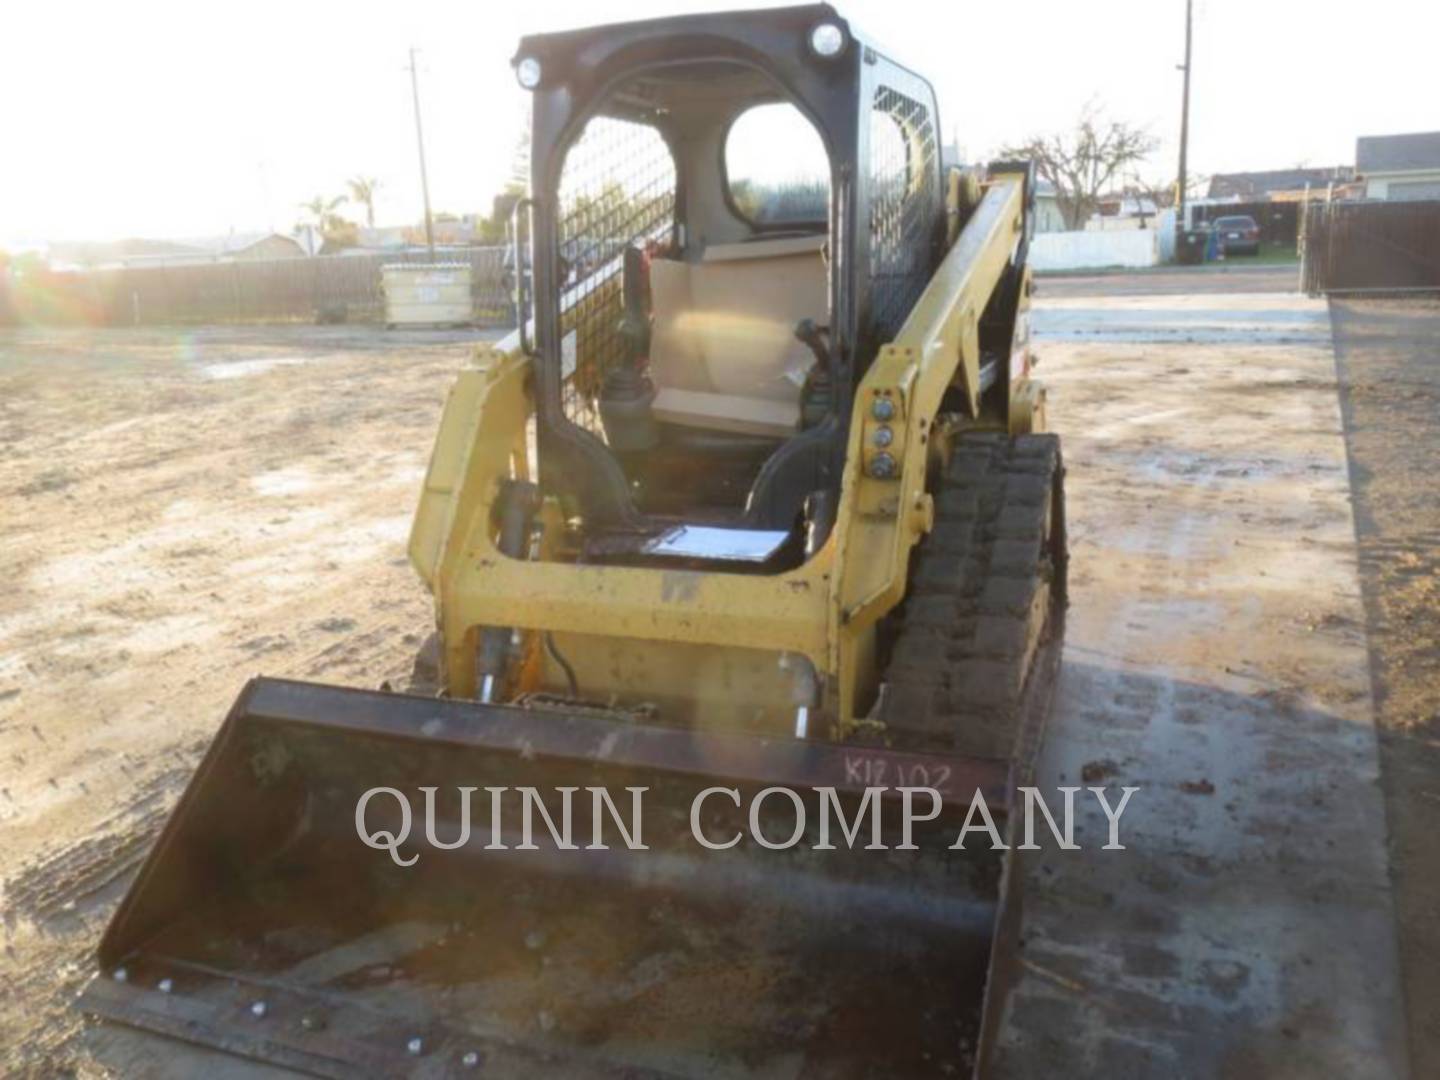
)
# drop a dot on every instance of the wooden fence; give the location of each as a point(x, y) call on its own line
point(327, 287)
point(1371, 247)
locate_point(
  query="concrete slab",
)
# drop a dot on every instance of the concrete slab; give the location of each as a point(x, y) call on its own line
point(1230, 277)
point(1215, 659)
point(1256, 319)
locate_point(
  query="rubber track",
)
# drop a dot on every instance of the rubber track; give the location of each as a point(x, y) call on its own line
point(978, 638)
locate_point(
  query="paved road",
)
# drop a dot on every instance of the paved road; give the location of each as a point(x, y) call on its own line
point(1241, 319)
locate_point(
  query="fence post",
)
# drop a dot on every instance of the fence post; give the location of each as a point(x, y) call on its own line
point(1302, 239)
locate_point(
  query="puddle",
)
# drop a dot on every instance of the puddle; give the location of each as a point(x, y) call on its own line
point(239, 369)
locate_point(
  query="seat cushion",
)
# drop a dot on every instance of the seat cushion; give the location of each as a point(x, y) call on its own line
point(723, 342)
point(726, 412)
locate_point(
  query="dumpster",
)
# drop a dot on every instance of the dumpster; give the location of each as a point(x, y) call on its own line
point(428, 294)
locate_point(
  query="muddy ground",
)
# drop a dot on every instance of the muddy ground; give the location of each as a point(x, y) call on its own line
point(181, 511)
point(1216, 664)
point(1388, 357)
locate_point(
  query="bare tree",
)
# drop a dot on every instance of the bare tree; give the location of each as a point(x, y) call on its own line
point(1163, 193)
point(1084, 162)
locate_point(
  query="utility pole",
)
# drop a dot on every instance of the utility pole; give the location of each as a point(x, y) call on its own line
point(420, 140)
point(1184, 127)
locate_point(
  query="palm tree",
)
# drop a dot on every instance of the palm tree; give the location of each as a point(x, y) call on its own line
point(362, 190)
point(322, 210)
point(324, 222)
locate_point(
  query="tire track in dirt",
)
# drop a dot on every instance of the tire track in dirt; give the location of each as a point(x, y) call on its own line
point(167, 536)
point(58, 882)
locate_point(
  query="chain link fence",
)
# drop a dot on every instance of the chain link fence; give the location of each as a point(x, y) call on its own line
point(618, 188)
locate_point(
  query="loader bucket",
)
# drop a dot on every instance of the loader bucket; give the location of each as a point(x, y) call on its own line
point(261, 924)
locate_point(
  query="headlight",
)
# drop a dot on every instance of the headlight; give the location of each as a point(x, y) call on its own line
point(883, 409)
point(882, 466)
point(883, 437)
point(528, 72)
point(827, 40)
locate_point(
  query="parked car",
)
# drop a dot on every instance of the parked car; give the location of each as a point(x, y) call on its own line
point(1238, 234)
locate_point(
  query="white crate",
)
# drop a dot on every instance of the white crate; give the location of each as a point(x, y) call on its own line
point(422, 294)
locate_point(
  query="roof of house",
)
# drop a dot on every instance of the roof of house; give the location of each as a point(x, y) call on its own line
point(1126, 204)
point(1398, 153)
point(137, 251)
point(383, 236)
point(1256, 185)
point(234, 243)
point(83, 253)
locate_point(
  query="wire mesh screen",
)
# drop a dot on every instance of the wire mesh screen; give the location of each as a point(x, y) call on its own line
point(617, 189)
point(905, 204)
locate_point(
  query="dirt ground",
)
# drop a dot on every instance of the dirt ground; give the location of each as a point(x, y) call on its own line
point(1388, 357)
point(181, 511)
point(1216, 664)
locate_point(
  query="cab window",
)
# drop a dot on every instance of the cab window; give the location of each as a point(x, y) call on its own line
point(776, 168)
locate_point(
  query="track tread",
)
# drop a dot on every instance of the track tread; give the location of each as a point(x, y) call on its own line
point(987, 592)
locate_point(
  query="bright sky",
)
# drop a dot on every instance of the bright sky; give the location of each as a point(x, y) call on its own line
point(159, 118)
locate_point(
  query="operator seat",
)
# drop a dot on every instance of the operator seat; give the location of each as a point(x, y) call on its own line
point(723, 352)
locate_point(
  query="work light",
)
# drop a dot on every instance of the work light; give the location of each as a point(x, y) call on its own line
point(528, 72)
point(827, 40)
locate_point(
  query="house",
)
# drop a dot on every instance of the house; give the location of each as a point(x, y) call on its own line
point(1400, 166)
point(1122, 211)
point(115, 254)
point(384, 238)
point(1272, 197)
point(1275, 185)
point(134, 252)
point(1048, 217)
point(448, 230)
point(243, 247)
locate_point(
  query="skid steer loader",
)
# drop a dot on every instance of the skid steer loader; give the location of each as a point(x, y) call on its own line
point(755, 499)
